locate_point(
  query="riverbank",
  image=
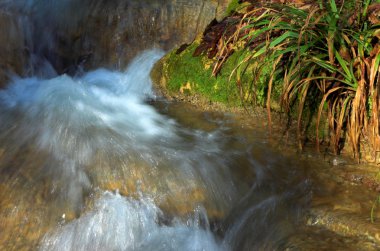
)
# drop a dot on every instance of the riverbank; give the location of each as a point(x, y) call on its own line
point(247, 59)
point(344, 191)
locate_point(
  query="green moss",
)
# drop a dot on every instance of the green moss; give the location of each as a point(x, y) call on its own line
point(189, 75)
point(234, 4)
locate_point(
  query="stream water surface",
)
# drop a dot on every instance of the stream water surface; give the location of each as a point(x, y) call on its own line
point(98, 162)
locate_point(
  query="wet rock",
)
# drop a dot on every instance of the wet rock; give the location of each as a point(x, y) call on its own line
point(317, 238)
point(346, 224)
point(89, 34)
point(173, 195)
point(24, 218)
point(125, 28)
point(336, 161)
point(12, 51)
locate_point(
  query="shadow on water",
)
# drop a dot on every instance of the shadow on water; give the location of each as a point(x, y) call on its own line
point(97, 162)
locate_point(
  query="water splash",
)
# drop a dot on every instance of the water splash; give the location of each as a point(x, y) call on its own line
point(60, 116)
point(60, 112)
point(65, 138)
point(97, 131)
point(118, 223)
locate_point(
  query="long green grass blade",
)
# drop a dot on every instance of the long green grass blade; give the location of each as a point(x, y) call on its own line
point(333, 6)
point(377, 62)
point(343, 63)
point(324, 64)
point(276, 42)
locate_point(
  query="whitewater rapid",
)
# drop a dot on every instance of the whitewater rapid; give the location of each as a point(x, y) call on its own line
point(100, 127)
point(96, 161)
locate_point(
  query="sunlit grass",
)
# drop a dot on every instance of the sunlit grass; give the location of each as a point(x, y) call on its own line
point(325, 53)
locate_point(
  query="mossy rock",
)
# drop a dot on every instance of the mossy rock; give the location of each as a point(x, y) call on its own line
point(234, 4)
point(186, 75)
point(182, 75)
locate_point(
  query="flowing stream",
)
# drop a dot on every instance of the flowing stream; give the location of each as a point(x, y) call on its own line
point(98, 162)
point(95, 160)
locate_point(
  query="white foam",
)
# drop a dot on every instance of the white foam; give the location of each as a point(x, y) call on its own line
point(102, 121)
point(72, 119)
point(118, 223)
point(60, 112)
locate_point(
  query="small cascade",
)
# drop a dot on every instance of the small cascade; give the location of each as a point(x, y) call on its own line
point(118, 223)
point(92, 159)
point(107, 169)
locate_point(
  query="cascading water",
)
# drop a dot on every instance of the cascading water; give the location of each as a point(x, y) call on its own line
point(95, 161)
point(87, 163)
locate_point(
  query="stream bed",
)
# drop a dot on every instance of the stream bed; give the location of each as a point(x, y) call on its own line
point(99, 162)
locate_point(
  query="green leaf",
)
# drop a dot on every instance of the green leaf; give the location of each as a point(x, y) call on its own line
point(324, 64)
point(343, 63)
point(276, 41)
point(377, 62)
point(333, 6)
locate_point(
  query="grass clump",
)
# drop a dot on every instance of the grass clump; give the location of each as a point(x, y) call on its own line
point(324, 56)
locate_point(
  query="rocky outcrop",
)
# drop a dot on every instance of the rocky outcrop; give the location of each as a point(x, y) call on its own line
point(98, 33)
point(113, 34)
